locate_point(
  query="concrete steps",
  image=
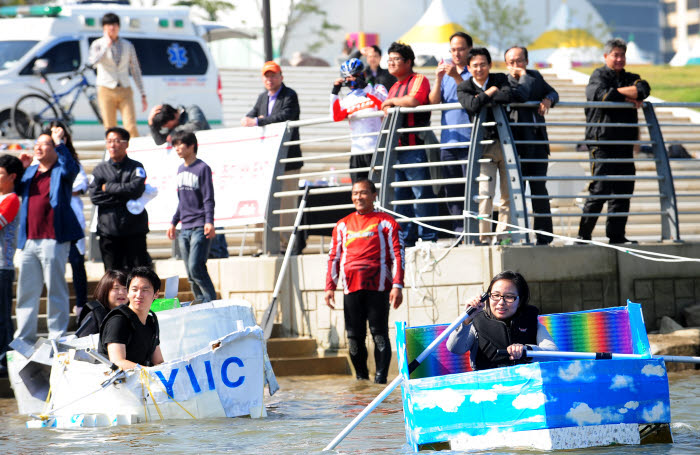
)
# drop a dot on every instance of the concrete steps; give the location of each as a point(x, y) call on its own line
point(301, 357)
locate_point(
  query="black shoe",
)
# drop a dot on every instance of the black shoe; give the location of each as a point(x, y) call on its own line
point(3, 371)
point(380, 379)
point(360, 377)
point(543, 242)
point(623, 241)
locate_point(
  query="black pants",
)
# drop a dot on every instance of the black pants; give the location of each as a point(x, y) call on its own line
point(77, 265)
point(124, 252)
point(538, 188)
point(359, 308)
point(360, 161)
point(614, 225)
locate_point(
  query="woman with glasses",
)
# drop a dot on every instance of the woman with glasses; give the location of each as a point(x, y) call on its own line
point(503, 320)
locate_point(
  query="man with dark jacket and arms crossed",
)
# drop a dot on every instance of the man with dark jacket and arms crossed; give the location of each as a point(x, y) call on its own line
point(116, 181)
point(612, 83)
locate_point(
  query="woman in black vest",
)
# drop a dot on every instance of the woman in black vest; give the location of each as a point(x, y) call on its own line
point(507, 322)
point(109, 294)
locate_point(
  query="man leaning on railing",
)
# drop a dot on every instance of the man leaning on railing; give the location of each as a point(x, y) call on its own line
point(612, 83)
point(534, 88)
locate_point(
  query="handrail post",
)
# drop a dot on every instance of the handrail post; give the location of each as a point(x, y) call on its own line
point(271, 239)
point(382, 142)
point(386, 192)
point(471, 191)
point(669, 220)
point(518, 208)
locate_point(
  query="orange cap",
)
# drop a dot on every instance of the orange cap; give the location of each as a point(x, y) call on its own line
point(271, 66)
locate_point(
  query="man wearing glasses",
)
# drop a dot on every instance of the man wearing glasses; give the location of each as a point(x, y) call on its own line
point(445, 91)
point(534, 88)
point(116, 181)
point(410, 90)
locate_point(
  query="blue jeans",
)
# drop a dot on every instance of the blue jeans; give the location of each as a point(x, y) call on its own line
point(194, 247)
point(7, 276)
point(43, 261)
point(410, 231)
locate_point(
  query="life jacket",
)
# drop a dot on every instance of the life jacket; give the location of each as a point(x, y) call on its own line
point(133, 320)
point(494, 335)
point(91, 319)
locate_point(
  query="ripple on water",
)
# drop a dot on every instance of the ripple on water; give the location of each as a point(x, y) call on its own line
point(304, 416)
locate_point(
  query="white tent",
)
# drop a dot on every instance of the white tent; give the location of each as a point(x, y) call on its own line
point(635, 56)
point(565, 41)
point(431, 34)
point(687, 56)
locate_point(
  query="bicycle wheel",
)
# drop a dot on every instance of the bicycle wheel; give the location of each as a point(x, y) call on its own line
point(95, 107)
point(31, 114)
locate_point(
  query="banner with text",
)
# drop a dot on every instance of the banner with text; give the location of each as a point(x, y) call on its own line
point(242, 161)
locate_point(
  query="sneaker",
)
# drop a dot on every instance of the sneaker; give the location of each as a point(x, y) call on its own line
point(623, 241)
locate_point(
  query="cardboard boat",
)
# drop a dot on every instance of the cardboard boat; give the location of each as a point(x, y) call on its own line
point(219, 368)
point(552, 405)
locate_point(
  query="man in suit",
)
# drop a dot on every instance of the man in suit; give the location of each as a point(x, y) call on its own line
point(481, 90)
point(279, 103)
point(534, 88)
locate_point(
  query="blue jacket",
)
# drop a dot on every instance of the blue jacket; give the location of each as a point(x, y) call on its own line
point(65, 222)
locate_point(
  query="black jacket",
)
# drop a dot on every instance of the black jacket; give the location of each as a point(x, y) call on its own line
point(533, 87)
point(91, 319)
point(286, 108)
point(495, 334)
point(473, 99)
point(123, 181)
point(383, 77)
point(602, 86)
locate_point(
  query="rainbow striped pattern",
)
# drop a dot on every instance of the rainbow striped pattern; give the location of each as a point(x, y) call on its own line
point(441, 361)
point(591, 331)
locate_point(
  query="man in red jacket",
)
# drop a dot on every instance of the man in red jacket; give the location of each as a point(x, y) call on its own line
point(367, 252)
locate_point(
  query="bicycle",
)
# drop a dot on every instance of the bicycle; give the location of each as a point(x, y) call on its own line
point(33, 112)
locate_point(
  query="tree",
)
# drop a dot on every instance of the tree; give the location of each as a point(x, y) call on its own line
point(212, 7)
point(499, 23)
point(303, 9)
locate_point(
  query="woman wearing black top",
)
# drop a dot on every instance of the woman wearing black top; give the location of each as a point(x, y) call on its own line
point(110, 293)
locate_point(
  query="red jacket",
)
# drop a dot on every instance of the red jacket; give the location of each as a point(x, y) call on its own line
point(367, 252)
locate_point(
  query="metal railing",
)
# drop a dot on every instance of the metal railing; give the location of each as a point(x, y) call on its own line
point(384, 164)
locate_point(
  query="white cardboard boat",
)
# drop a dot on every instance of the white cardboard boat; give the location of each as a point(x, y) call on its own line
point(219, 368)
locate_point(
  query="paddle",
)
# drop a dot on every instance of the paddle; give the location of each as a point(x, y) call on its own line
point(411, 368)
point(602, 356)
point(268, 319)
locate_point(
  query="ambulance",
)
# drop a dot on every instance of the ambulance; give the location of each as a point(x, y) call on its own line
point(176, 64)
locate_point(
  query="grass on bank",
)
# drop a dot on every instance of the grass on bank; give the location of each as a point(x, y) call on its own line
point(670, 83)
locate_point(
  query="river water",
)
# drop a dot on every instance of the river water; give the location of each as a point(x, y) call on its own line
point(303, 417)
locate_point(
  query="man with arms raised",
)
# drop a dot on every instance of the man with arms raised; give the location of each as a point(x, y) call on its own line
point(445, 91)
point(366, 251)
point(411, 90)
point(129, 334)
point(534, 88)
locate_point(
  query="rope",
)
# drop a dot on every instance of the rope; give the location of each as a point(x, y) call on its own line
point(642, 254)
point(145, 375)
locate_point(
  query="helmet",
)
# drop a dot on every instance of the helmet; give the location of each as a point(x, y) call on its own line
point(352, 67)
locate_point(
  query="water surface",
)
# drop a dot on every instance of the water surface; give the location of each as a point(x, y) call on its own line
point(303, 417)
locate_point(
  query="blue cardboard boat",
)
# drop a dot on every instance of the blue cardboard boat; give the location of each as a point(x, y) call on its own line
point(552, 405)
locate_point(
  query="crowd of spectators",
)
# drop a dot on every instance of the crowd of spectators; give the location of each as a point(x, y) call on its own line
point(41, 210)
